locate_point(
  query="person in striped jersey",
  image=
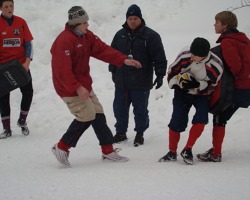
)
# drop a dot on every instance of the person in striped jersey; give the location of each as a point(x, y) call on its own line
point(193, 75)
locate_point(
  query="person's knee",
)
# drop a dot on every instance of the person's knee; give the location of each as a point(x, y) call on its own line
point(219, 121)
point(177, 128)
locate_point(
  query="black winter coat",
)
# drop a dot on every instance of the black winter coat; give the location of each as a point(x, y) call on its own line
point(144, 45)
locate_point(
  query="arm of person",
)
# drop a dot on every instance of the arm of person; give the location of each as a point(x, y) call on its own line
point(231, 56)
point(28, 53)
point(132, 62)
point(106, 53)
point(157, 55)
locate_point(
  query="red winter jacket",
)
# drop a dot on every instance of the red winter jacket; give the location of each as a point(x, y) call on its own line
point(70, 60)
point(236, 52)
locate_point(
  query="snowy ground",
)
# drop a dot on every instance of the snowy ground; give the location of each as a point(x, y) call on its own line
point(28, 168)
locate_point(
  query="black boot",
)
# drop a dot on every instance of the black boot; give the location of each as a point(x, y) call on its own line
point(139, 139)
point(120, 137)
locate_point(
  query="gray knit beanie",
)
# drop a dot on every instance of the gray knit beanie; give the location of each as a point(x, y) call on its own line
point(77, 15)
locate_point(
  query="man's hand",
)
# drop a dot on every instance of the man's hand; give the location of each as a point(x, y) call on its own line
point(26, 64)
point(83, 93)
point(158, 82)
point(132, 62)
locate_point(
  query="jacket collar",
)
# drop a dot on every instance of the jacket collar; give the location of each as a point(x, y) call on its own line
point(227, 32)
point(138, 30)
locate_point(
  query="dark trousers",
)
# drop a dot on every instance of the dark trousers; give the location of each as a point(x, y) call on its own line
point(182, 103)
point(241, 99)
point(77, 128)
point(122, 101)
point(27, 96)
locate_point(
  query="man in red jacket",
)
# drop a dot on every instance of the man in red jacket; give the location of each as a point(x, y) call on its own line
point(235, 48)
point(71, 52)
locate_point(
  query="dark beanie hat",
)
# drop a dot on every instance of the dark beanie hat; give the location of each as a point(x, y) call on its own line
point(134, 10)
point(200, 47)
point(77, 15)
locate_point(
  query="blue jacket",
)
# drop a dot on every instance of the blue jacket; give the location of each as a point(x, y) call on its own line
point(144, 45)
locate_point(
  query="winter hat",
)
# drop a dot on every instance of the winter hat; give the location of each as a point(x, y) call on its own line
point(200, 47)
point(77, 15)
point(134, 10)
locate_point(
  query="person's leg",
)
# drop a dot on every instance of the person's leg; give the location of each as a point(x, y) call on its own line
point(84, 111)
point(121, 107)
point(174, 138)
point(194, 133)
point(241, 98)
point(218, 135)
point(219, 124)
point(5, 116)
point(102, 130)
point(178, 123)
point(181, 107)
point(27, 96)
point(105, 138)
point(214, 154)
point(104, 133)
point(139, 100)
point(200, 119)
point(5, 111)
point(74, 132)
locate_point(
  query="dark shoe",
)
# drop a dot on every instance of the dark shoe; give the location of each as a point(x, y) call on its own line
point(187, 156)
point(6, 133)
point(170, 156)
point(24, 127)
point(208, 156)
point(120, 138)
point(139, 140)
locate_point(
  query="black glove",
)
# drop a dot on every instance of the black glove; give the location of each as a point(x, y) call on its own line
point(189, 84)
point(177, 87)
point(113, 77)
point(158, 81)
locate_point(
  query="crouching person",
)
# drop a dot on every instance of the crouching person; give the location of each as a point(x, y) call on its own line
point(71, 52)
point(193, 76)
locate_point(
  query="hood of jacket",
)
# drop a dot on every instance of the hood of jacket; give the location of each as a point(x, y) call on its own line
point(235, 35)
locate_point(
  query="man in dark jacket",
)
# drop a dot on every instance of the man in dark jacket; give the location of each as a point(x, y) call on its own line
point(137, 41)
point(235, 47)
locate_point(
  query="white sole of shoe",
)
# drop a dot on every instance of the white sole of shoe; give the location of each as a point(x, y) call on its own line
point(61, 157)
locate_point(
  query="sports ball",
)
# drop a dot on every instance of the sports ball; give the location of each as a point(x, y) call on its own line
point(184, 77)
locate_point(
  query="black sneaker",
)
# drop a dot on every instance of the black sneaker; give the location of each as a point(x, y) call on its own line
point(120, 138)
point(208, 156)
point(139, 140)
point(24, 127)
point(187, 156)
point(170, 156)
point(6, 133)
